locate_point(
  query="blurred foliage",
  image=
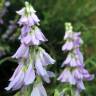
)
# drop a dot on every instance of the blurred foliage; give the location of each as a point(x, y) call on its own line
point(53, 14)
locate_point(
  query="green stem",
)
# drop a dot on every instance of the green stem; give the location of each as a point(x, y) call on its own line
point(5, 59)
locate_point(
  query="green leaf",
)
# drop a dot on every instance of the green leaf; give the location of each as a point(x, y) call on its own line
point(56, 93)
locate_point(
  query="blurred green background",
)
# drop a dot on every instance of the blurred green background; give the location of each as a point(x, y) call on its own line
point(53, 14)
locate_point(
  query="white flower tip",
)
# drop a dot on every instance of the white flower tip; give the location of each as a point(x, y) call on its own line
point(58, 78)
point(63, 48)
point(20, 12)
point(7, 88)
point(17, 12)
point(48, 81)
point(53, 61)
point(13, 56)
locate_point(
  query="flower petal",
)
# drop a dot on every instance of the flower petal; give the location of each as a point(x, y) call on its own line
point(29, 76)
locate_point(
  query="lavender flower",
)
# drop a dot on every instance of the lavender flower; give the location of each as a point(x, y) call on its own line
point(41, 60)
point(39, 90)
point(30, 36)
point(28, 19)
point(66, 76)
point(32, 59)
point(24, 31)
point(74, 60)
point(81, 73)
point(16, 80)
point(68, 45)
point(74, 63)
point(34, 38)
point(28, 16)
point(45, 57)
point(80, 85)
point(22, 52)
point(23, 75)
point(29, 76)
point(73, 40)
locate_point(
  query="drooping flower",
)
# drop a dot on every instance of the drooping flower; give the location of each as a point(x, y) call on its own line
point(66, 76)
point(45, 57)
point(29, 76)
point(24, 31)
point(22, 52)
point(80, 85)
point(42, 71)
point(39, 90)
point(28, 16)
point(82, 74)
point(41, 60)
point(16, 81)
point(28, 19)
point(32, 59)
point(74, 72)
point(22, 76)
point(72, 41)
point(35, 37)
point(73, 60)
